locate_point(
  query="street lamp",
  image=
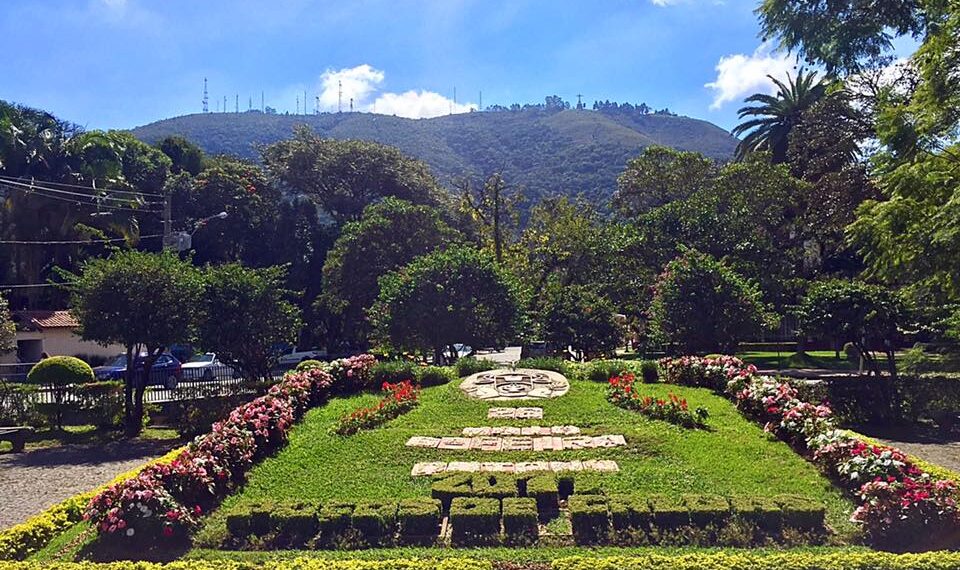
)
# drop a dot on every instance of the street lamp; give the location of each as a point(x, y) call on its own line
point(184, 240)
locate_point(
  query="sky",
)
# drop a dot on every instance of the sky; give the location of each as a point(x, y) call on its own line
point(123, 63)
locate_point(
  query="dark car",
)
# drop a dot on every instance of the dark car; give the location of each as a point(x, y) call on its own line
point(166, 371)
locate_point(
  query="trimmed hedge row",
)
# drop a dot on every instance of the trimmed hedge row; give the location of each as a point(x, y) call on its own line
point(368, 523)
point(302, 563)
point(545, 488)
point(594, 517)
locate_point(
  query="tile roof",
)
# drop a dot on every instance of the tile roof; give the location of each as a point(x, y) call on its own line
point(39, 320)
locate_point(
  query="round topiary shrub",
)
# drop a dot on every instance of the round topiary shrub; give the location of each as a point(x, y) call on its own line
point(310, 365)
point(60, 372)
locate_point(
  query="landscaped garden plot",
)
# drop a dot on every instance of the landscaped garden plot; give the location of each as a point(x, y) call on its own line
point(733, 457)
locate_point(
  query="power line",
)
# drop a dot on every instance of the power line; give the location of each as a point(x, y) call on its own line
point(32, 186)
point(82, 242)
point(34, 285)
point(31, 180)
point(36, 191)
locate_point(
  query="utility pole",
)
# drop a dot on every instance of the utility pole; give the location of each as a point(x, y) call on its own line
point(167, 222)
point(351, 104)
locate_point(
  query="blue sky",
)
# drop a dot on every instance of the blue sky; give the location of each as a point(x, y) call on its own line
point(122, 63)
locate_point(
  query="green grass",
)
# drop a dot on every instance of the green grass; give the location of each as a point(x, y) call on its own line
point(810, 359)
point(734, 457)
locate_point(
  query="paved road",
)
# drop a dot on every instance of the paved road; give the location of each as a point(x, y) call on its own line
point(508, 356)
point(36, 480)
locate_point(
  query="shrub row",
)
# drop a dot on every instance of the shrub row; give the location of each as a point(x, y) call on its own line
point(394, 371)
point(546, 489)
point(165, 501)
point(595, 517)
point(900, 505)
point(603, 370)
point(22, 540)
point(478, 521)
point(335, 524)
point(300, 563)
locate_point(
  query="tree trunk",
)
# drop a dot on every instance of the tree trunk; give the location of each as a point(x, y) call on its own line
point(128, 407)
point(438, 356)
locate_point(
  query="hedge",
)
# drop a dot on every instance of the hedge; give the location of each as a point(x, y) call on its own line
point(418, 519)
point(520, 519)
point(22, 540)
point(590, 518)
point(475, 520)
point(544, 490)
point(376, 521)
point(301, 563)
point(747, 560)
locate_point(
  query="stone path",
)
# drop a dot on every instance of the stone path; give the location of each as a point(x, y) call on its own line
point(518, 443)
point(428, 468)
point(36, 480)
point(515, 414)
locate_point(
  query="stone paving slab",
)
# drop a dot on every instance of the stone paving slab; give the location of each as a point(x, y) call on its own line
point(518, 442)
point(526, 430)
point(515, 414)
point(426, 469)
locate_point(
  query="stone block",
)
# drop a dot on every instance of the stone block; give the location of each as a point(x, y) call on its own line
point(428, 468)
point(420, 441)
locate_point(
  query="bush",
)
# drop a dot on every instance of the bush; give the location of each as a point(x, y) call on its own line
point(851, 353)
point(494, 485)
point(295, 524)
point(60, 372)
point(418, 519)
point(333, 522)
point(393, 371)
point(547, 363)
point(760, 511)
point(629, 513)
point(376, 521)
point(758, 560)
point(650, 371)
point(452, 485)
point(469, 365)
point(915, 362)
point(306, 365)
point(435, 376)
point(590, 519)
point(705, 510)
point(101, 403)
point(520, 520)
point(603, 370)
point(701, 305)
point(251, 520)
point(801, 512)
point(544, 490)
point(475, 520)
point(16, 405)
point(668, 513)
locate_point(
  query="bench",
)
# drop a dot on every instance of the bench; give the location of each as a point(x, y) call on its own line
point(16, 435)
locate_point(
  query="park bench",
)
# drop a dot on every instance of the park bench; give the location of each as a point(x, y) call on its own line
point(16, 435)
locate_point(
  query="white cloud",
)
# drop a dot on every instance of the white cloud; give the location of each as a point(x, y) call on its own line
point(739, 75)
point(418, 105)
point(358, 83)
point(362, 84)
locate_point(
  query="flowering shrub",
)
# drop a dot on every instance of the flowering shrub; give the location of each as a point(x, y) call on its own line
point(165, 500)
point(400, 398)
point(696, 371)
point(871, 462)
point(354, 373)
point(913, 510)
point(622, 392)
point(141, 509)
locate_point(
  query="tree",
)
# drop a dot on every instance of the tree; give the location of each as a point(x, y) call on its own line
point(864, 315)
point(390, 235)
point(144, 301)
point(60, 373)
point(8, 331)
point(344, 177)
point(843, 35)
point(775, 116)
point(449, 296)
point(241, 190)
point(661, 175)
point(184, 155)
point(700, 305)
point(579, 318)
point(245, 314)
point(495, 209)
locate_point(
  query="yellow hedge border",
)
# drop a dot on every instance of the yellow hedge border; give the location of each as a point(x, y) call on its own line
point(22, 540)
point(293, 564)
point(863, 560)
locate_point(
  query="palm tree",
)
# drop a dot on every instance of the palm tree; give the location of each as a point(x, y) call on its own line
point(776, 115)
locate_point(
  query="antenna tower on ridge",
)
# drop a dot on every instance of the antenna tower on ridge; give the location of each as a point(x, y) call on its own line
point(316, 109)
point(236, 103)
point(339, 96)
point(480, 104)
point(206, 99)
point(298, 106)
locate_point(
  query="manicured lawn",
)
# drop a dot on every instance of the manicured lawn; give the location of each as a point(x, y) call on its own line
point(810, 359)
point(735, 457)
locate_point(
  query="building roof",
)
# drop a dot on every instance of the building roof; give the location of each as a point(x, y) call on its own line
point(39, 320)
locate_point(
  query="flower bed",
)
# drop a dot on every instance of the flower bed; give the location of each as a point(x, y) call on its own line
point(166, 501)
point(401, 398)
point(900, 505)
point(622, 392)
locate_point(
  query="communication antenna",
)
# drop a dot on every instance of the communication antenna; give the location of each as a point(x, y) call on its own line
point(339, 96)
point(249, 103)
point(298, 105)
point(317, 108)
point(224, 103)
point(206, 99)
point(236, 103)
point(579, 102)
point(480, 104)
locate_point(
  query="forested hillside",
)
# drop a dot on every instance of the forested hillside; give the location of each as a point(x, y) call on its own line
point(544, 151)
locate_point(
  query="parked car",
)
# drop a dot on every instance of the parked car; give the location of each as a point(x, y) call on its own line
point(166, 370)
point(535, 349)
point(206, 366)
point(291, 357)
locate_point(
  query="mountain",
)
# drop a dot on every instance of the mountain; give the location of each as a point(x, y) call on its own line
point(546, 152)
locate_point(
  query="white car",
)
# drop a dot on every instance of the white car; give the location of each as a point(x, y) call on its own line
point(294, 357)
point(205, 367)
